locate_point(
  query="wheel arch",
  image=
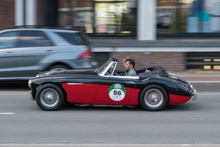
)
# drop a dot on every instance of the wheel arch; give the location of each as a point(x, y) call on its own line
point(56, 63)
point(60, 86)
point(153, 84)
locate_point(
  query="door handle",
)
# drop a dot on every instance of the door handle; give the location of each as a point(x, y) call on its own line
point(49, 51)
point(129, 82)
point(8, 53)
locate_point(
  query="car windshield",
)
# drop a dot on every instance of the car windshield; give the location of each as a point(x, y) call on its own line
point(104, 66)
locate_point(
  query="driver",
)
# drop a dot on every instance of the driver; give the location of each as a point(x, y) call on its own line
point(129, 67)
point(126, 59)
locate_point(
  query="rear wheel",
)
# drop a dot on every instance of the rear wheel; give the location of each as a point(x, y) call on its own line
point(154, 98)
point(49, 97)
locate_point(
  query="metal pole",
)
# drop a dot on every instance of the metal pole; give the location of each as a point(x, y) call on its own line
point(94, 19)
point(71, 15)
point(24, 12)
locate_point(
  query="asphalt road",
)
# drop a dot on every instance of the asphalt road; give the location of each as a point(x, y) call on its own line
point(195, 123)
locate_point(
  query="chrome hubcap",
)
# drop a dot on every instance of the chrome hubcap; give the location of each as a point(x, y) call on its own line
point(49, 97)
point(153, 98)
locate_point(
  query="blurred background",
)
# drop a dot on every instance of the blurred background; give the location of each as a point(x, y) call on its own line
point(180, 35)
point(183, 36)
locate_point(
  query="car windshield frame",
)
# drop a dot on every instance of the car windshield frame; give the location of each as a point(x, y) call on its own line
point(112, 64)
point(101, 70)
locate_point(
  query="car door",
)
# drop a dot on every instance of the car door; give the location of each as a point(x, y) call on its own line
point(82, 89)
point(115, 90)
point(8, 41)
point(33, 46)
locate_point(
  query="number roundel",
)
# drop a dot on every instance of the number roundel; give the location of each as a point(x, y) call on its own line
point(117, 92)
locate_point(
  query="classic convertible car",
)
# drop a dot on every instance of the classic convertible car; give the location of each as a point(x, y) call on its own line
point(153, 88)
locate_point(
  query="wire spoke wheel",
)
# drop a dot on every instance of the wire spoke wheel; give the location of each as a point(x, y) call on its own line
point(49, 97)
point(153, 98)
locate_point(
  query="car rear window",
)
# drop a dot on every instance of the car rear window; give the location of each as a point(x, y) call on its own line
point(72, 38)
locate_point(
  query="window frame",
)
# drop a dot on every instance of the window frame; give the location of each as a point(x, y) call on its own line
point(15, 41)
point(85, 43)
point(19, 35)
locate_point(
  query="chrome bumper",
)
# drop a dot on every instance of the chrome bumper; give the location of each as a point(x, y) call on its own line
point(194, 95)
point(31, 97)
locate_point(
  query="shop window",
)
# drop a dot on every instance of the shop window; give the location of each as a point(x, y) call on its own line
point(188, 16)
point(115, 17)
point(204, 16)
point(76, 13)
point(100, 17)
point(166, 16)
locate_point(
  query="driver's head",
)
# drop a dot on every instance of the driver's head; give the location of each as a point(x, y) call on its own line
point(129, 64)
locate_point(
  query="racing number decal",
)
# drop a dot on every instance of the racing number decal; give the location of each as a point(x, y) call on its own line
point(117, 92)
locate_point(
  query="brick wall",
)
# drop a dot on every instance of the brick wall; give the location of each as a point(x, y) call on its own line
point(171, 61)
point(7, 13)
point(84, 3)
point(166, 3)
point(79, 3)
point(64, 3)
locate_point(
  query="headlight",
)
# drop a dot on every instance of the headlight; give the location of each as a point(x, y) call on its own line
point(29, 83)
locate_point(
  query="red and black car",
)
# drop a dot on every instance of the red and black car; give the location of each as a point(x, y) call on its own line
point(153, 88)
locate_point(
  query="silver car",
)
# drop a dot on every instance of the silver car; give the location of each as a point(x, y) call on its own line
point(26, 52)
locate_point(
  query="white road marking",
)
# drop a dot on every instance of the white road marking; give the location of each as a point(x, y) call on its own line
point(109, 145)
point(8, 113)
point(14, 92)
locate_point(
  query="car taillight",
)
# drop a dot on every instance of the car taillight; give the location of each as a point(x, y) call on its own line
point(85, 54)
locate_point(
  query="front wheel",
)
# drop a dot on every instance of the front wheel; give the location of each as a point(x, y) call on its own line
point(153, 98)
point(49, 97)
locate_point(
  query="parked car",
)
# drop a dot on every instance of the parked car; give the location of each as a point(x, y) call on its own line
point(25, 52)
point(154, 88)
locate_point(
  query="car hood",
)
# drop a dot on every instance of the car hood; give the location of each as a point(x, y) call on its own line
point(65, 72)
point(182, 82)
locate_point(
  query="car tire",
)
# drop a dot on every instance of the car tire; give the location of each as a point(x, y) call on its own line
point(153, 98)
point(58, 66)
point(49, 97)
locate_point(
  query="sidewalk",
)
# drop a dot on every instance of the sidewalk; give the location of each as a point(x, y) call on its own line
point(160, 42)
point(196, 76)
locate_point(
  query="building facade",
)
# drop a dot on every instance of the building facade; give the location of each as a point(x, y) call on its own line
point(7, 14)
point(141, 22)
